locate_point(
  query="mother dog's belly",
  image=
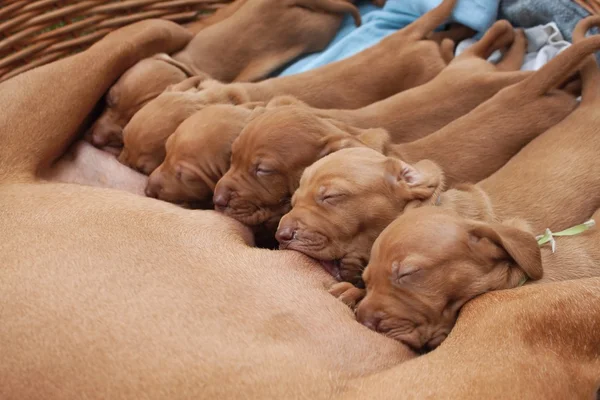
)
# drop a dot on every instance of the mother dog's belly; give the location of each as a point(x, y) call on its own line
point(105, 294)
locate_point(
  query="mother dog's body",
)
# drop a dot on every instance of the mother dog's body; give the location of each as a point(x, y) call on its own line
point(109, 295)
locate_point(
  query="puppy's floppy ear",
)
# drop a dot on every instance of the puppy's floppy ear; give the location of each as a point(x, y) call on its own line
point(188, 70)
point(506, 243)
point(420, 182)
point(347, 136)
point(285, 100)
point(377, 139)
point(336, 142)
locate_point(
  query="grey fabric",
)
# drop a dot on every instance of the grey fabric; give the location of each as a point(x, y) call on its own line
point(529, 13)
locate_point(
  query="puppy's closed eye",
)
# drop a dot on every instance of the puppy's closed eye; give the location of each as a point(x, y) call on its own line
point(264, 171)
point(110, 100)
point(402, 273)
point(184, 174)
point(331, 198)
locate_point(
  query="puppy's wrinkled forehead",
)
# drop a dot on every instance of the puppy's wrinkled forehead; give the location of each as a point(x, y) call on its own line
point(360, 166)
point(430, 232)
point(283, 127)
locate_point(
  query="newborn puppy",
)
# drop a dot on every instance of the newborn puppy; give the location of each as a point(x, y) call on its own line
point(198, 155)
point(404, 60)
point(417, 285)
point(337, 220)
point(287, 30)
point(145, 135)
point(418, 280)
point(124, 98)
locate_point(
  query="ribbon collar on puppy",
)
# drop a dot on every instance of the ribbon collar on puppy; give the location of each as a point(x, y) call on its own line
point(548, 235)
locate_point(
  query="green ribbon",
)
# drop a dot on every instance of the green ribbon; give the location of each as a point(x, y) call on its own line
point(548, 235)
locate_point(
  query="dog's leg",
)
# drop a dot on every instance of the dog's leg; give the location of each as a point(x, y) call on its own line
point(43, 109)
point(560, 69)
point(424, 26)
point(456, 33)
point(590, 75)
point(447, 50)
point(500, 35)
point(514, 57)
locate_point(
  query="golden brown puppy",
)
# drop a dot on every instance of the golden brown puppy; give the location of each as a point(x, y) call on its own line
point(429, 262)
point(405, 61)
point(198, 155)
point(462, 257)
point(336, 220)
point(288, 29)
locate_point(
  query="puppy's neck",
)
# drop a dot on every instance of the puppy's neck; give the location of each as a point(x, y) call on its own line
point(575, 257)
point(469, 201)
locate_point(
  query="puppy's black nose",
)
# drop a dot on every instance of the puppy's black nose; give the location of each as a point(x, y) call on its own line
point(285, 234)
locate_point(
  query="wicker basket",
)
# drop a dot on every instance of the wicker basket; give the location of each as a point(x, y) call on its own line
point(37, 32)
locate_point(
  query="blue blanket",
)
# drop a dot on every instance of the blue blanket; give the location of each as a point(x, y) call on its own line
point(379, 23)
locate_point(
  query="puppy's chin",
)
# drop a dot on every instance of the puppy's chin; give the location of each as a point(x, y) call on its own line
point(422, 339)
point(254, 216)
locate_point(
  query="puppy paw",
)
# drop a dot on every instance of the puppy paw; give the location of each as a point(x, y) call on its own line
point(347, 293)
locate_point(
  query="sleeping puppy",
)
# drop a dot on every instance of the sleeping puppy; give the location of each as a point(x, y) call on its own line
point(198, 155)
point(336, 220)
point(418, 279)
point(405, 60)
point(145, 135)
point(288, 29)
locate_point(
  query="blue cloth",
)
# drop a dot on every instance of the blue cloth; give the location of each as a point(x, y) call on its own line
point(379, 23)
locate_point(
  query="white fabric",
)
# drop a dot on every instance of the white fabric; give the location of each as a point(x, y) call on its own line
point(544, 43)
